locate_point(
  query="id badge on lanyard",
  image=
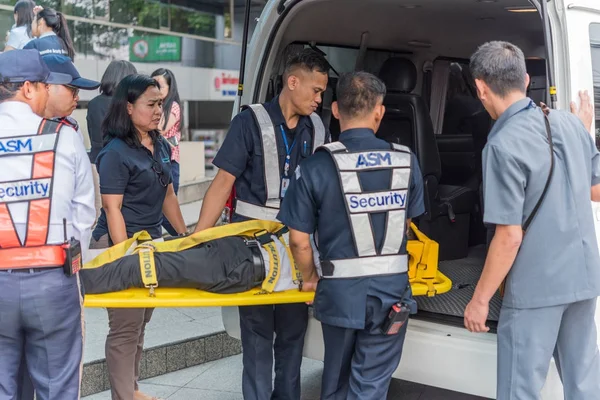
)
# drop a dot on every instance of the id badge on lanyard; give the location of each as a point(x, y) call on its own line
point(285, 181)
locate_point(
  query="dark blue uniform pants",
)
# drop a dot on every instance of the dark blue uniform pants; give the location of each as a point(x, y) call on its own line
point(40, 317)
point(359, 363)
point(258, 323)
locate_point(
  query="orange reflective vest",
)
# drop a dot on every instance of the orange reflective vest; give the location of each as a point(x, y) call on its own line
point(33, 251)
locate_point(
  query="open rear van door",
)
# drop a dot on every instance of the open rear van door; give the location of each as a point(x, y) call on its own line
point(582, 29)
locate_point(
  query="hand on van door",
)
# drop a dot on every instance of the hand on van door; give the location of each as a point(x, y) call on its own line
point(585, 112)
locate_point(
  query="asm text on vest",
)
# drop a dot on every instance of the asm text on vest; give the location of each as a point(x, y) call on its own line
point(373, 159)
point(15, 146)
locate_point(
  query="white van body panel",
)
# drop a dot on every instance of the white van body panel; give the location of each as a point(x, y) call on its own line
point(435, 354)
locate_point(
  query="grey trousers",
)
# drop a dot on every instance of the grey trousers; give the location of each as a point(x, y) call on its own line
point(124, 343)
point(529, 338)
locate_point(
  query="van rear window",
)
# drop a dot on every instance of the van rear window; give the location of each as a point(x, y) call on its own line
point(595, 44)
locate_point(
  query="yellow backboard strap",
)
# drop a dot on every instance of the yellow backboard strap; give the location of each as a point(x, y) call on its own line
point(148, 267)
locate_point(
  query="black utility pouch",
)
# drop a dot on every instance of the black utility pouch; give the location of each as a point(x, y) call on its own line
point(396, 318)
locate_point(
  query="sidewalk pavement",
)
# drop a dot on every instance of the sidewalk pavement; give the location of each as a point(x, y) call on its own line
point(168, 325)
point(221, 380)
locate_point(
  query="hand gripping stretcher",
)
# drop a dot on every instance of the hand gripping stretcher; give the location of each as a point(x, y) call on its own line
point(217, 267)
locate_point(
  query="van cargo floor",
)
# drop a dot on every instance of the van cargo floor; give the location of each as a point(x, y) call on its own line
point(464, 274)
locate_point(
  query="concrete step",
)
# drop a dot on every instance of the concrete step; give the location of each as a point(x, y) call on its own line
point(190, 192)
point(166, 358)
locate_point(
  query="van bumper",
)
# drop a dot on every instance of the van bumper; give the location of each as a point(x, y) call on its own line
point(434, 355)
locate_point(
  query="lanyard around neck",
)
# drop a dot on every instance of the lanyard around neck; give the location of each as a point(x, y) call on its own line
point(288, 149)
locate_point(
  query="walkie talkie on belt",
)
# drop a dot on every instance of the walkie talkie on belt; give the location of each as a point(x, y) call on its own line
point(397, 317)
point(72, 253)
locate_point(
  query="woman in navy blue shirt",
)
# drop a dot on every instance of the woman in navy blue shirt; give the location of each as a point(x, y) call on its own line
point(50, 28)
point(136, 188)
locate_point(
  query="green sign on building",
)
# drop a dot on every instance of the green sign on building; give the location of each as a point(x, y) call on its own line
point(154, 48)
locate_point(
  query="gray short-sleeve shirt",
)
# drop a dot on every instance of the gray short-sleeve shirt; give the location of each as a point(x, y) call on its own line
point(558, 262)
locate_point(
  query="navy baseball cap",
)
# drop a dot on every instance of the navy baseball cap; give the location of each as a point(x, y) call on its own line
point(18, 66)
point(63, 65)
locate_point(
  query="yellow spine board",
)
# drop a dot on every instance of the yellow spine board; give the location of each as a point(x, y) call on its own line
point(424, 277)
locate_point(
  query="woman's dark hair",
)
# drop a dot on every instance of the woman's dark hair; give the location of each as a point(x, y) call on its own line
point(24, 11)
point(117, 123)
point(172, 96)
point(56, 21)
point(115, 72)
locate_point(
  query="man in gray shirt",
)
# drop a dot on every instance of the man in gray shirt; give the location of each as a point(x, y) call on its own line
point(552, 271)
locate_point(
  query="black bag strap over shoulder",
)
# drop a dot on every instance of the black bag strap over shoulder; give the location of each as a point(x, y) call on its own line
point(543, 196)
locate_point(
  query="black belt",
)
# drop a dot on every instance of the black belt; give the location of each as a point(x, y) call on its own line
point(257, 261)
point(28, 270)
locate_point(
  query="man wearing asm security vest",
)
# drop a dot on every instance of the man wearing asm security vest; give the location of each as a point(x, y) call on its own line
point(264, 145)
point(45, 179)
point(358, 195)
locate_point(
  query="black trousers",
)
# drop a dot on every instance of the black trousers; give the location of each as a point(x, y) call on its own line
point(227, 265)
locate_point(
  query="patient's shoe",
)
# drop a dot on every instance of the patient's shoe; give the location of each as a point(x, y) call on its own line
point(137, 395)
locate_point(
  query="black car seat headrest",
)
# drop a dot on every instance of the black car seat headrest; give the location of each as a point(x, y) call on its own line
point(399, 75)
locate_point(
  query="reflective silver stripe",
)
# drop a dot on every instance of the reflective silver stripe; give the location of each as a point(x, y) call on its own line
point(350, 182)
point(394, 234)
point(393, 238)
point(369, 160)
point(369, 266)
point(334, 147)
point(319, 131)
point(399, 147)
point(363, 235)
point(270, 156)
point(400, 178)
point(256, 212)
point(23, 145)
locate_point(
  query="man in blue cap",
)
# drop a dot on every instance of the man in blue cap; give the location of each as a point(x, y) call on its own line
point(63, 98)
point(46, 188)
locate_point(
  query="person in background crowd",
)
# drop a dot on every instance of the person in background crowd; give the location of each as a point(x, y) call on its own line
point(136, 187)
point(170, 125)
point(63, 98)
point(20, 34)
point(97, 109)
point(52, 32)
point(41, 307)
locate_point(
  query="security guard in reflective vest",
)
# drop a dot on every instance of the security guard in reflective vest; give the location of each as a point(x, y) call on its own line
point(46, 193)
point(358, 195)
point(62, 101)
point(264, 145)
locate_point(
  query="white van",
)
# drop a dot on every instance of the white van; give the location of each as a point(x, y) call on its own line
point(438, 115)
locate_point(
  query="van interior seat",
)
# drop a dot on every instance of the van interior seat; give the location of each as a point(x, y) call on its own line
point(407, 122)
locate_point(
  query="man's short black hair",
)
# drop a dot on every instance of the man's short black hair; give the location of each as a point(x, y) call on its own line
point(359, 93)
point(501, 65)
point(309, 60)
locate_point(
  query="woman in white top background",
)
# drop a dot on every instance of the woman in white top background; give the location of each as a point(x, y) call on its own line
point(20, 34)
